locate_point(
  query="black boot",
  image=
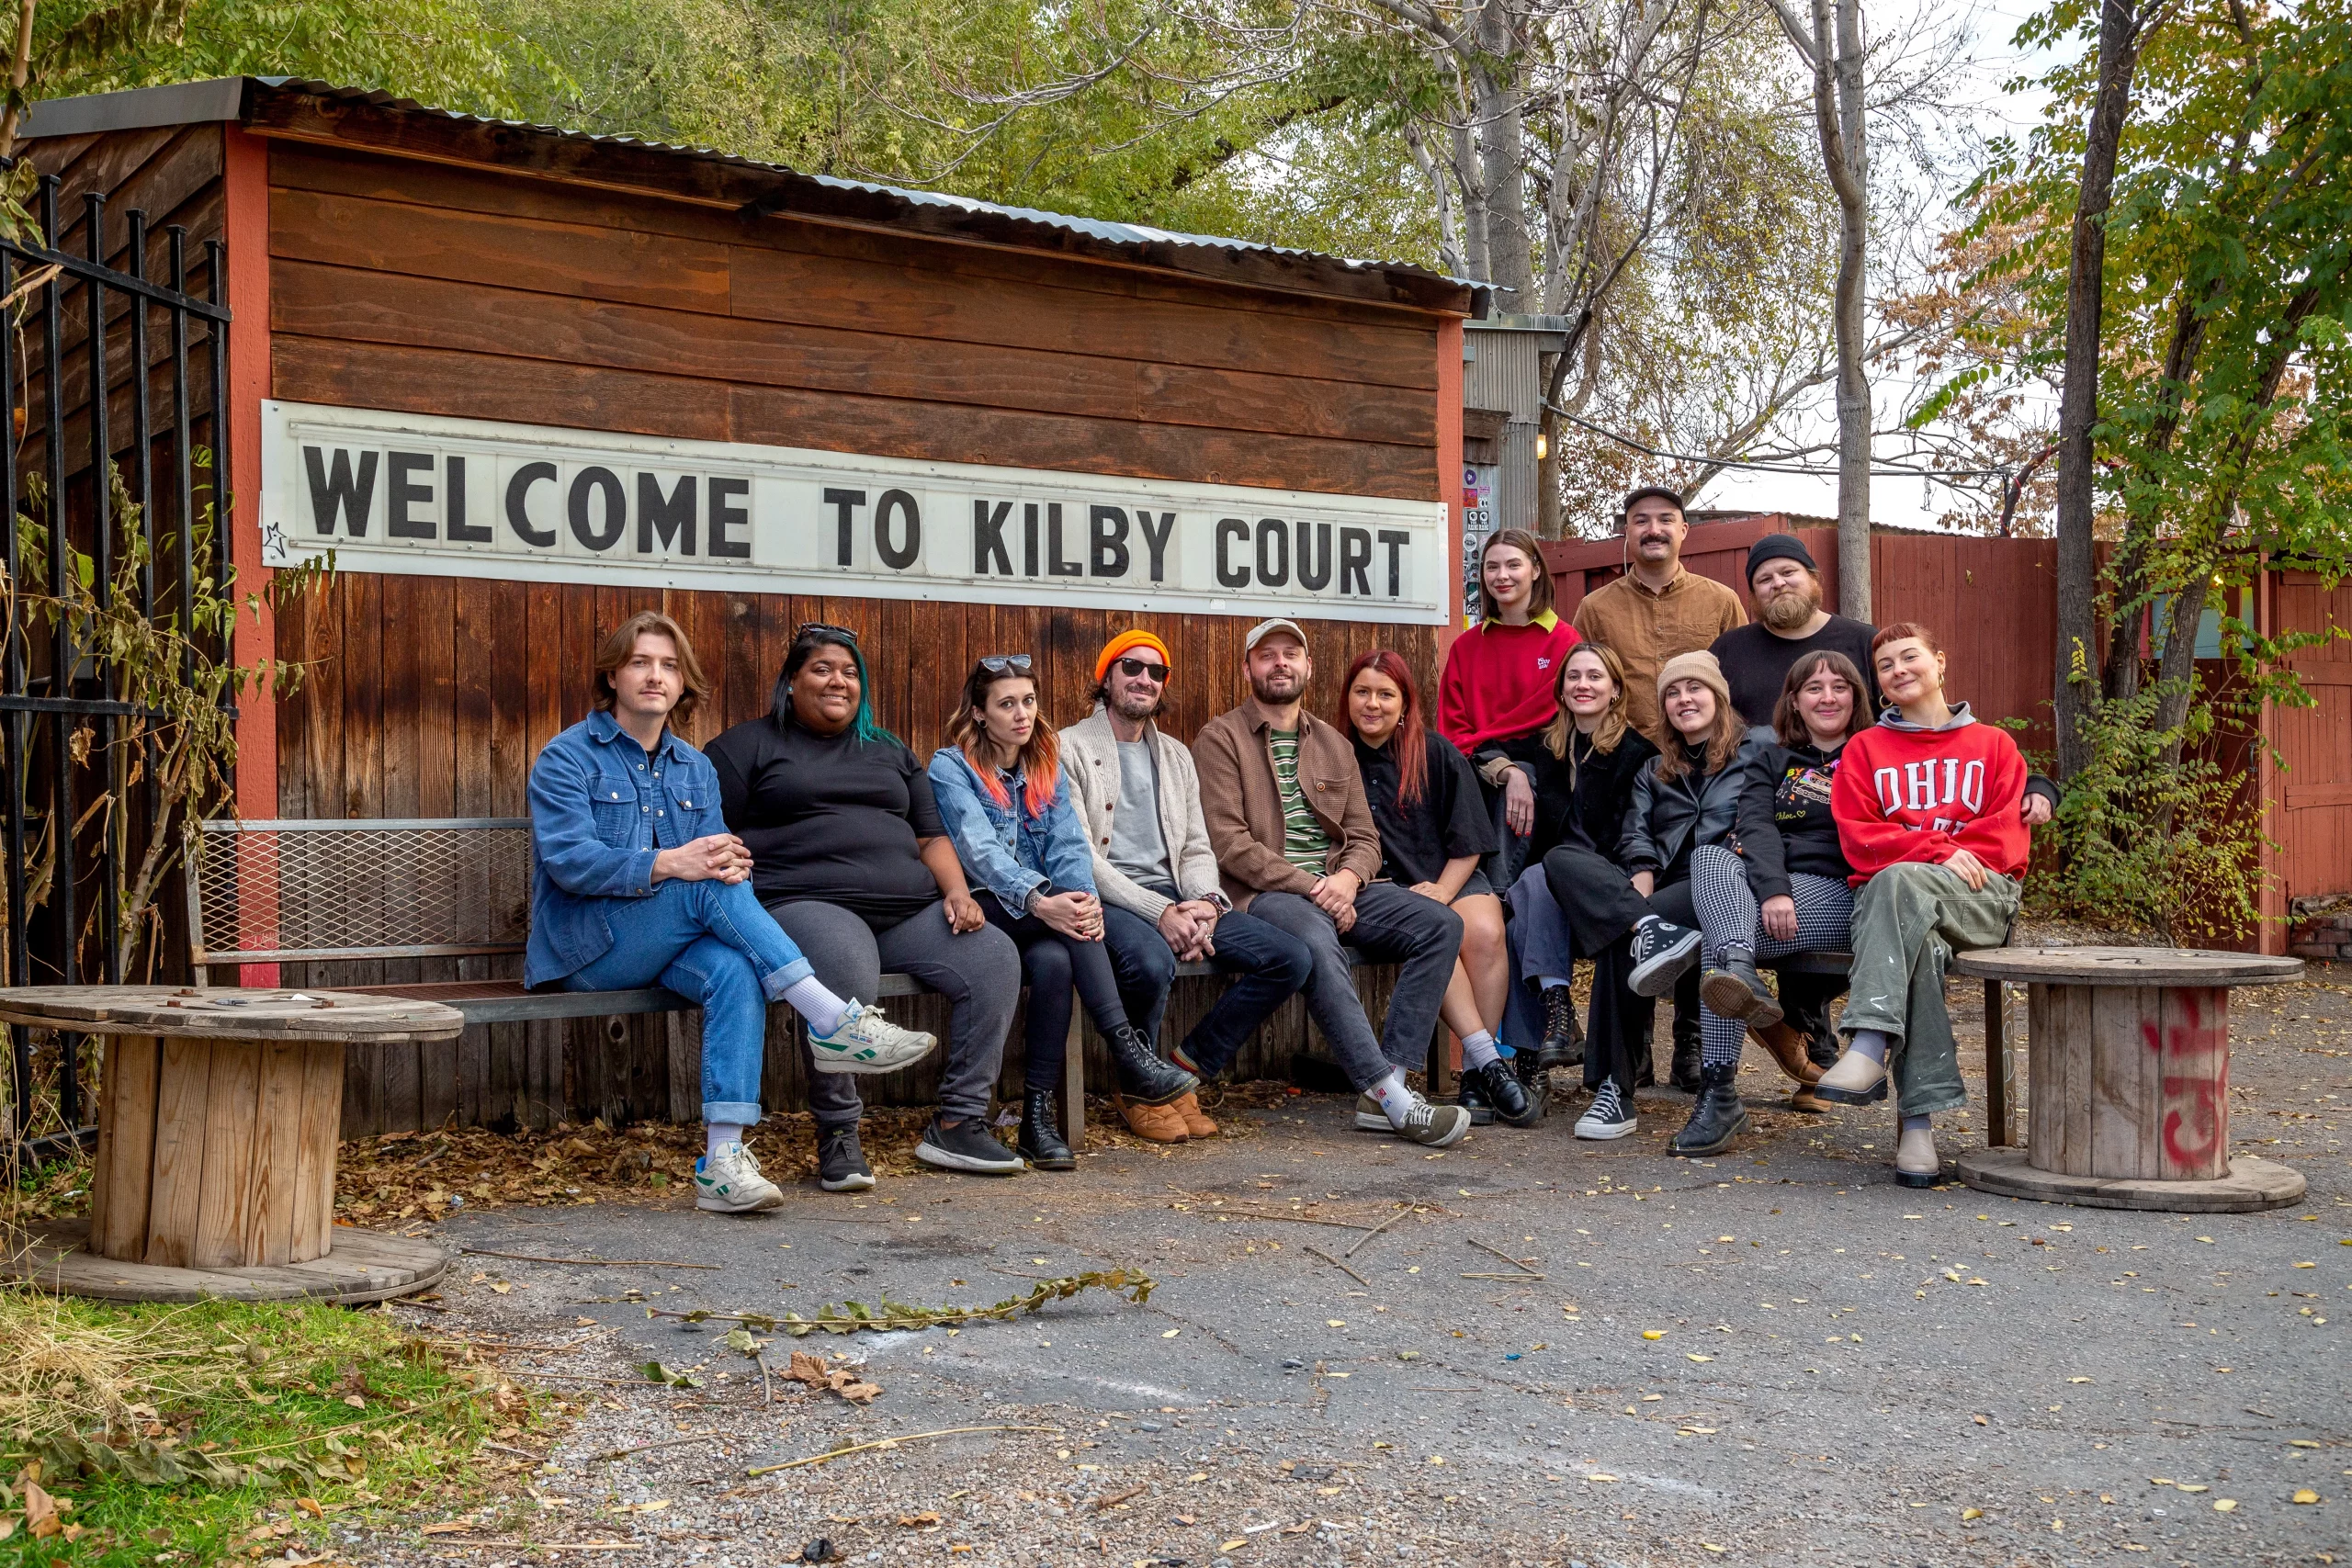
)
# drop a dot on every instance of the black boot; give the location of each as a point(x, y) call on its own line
point(1143, 1076)
point(1535, 1078)
point(1041, 1135)
point(1717, 1118)
point(1470, 1095)
point(1821, 1049)
point(1563, 1035)
point(1686, 1047)
point(1502, 1091)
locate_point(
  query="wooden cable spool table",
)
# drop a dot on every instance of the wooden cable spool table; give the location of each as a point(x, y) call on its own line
point(217, 1127)
point(2130, 1100)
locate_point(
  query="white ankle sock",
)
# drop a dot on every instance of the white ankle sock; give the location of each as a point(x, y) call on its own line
point(1478, 1049)
point(714, 1134)
point(821, 1008)
point(1548, 981)
point(1917, 1123)
point(1395, 1097)
point(1870, 1043)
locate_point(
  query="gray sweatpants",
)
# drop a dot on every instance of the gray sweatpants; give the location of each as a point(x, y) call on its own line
point(1908, 920)
point(978, 973)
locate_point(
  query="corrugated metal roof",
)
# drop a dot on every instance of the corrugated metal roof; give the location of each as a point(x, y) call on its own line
point(227, 99)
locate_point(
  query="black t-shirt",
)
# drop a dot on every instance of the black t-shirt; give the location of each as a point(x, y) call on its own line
point(1757, 661)
point(829, 817)
point(1449, 821)
point(1800, 777)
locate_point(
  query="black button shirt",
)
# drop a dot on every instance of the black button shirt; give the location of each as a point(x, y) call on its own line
point(1449, 821)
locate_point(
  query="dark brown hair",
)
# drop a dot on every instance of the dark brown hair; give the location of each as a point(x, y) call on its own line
point(1789, 724)
point(1539, 591)
point(621, 641)
point(1722, 740)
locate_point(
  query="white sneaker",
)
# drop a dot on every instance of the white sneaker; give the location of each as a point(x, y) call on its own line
point(865, 1042)
point(728, 1181)
point(1917, 1164)
point(1607, 1116)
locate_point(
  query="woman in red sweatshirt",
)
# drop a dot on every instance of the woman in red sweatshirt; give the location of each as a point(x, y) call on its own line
point(1929, 805)
point(1498, 681)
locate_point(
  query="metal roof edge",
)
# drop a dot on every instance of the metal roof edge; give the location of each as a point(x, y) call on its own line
point(139, 109)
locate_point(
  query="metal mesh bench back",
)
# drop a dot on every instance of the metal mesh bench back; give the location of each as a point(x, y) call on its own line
point(261, 892)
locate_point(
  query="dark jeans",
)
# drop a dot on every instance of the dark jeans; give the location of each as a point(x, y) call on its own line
point(1602, 910)
point(1267, 966)
point(1051, 964)
point(1394, 925)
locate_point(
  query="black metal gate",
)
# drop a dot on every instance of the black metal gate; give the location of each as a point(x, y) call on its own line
point(115, 382)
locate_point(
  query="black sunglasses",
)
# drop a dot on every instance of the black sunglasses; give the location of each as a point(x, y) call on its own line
point(1006, 664)
point(1158, 673)
point(826, 630)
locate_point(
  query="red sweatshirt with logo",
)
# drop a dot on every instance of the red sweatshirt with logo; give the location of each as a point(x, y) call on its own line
point(1499, 680)
point(1907, 793)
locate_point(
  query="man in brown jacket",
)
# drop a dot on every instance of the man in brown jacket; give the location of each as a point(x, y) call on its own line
point(1296, 847)
point(1659, 609)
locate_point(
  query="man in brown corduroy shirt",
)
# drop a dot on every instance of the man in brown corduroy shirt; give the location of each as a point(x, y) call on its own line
point(1658, 609)
point(1296, 847)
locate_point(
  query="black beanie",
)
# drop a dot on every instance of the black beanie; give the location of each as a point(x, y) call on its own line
point(1778, 546)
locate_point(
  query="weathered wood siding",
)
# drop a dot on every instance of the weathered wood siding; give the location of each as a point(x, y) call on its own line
point(402, 285)
point(2313, 819)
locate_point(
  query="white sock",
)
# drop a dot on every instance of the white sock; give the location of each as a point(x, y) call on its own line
point(1395, 1096)
point(1548, 981)
point(809, 999)
point(1478, 1049)
point(1872, 1043)
point(714, 1133)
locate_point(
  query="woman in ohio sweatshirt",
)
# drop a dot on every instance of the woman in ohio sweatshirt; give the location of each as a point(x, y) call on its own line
point(1929, 809)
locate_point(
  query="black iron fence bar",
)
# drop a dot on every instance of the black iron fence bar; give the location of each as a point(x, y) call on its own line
point(216, 264)
point(94, 341)
point(143, 433)
point(79, 267)
point(182, 448)
point(12, 728)
point(64, 882)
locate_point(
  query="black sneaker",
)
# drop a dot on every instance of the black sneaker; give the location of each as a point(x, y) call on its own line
point(1607, 1116)
point(841, 1164)
point(969, 1145)
point(1663, 952)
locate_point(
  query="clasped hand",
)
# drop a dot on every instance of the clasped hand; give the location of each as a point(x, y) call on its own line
point(1076, 915)
point(716, 857)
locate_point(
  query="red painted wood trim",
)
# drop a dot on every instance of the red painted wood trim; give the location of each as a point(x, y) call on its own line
point(1449, 473)
point(245, 197)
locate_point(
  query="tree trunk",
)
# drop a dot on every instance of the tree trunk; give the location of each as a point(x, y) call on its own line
point(1854, 410)
point(2078, 671)
point(1502, 156)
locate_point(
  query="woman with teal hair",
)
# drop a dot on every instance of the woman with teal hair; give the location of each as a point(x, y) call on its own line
point(850, 855)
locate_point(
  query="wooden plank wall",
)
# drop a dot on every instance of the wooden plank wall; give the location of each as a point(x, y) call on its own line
point(413, 287)
point(2313, 823)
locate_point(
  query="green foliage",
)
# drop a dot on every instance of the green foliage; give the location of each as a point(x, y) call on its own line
point(2142, 844)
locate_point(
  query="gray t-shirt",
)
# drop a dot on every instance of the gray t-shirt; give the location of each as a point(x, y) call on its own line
point(1137, 847)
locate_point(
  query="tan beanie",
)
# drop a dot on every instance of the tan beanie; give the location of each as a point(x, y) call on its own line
point(1700, 667)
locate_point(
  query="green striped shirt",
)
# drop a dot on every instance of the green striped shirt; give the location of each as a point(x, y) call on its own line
point(1304, 843)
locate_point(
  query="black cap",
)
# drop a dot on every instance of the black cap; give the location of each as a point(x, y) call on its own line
point(1780, 547)
point(1662, 492)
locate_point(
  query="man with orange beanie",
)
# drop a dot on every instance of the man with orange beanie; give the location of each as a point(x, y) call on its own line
point(1138, 799)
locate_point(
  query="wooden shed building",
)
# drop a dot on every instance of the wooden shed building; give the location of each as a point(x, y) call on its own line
point(523, 382)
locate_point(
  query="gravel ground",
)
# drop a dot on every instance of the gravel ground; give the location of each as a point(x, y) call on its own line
point(1775, 1357)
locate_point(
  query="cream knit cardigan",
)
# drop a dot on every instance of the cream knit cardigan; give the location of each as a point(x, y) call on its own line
point(1090, 764)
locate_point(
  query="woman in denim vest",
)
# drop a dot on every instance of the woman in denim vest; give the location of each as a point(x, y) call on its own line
point(636, 882)
point(1000, 793)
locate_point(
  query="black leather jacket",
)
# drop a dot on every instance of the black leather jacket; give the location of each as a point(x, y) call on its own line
point(1669, 818)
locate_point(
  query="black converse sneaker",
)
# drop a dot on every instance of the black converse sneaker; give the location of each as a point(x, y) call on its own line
point(1663, 952)
point(1607, 1116)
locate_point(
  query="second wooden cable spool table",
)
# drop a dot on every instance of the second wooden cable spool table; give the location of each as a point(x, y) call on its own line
point(217, 1137)
point(2129, 1104)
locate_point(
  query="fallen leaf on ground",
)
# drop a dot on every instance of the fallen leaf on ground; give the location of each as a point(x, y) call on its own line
point(2304, 1494)
point(2224, 1504)
point(923, 1521)
point(1653, 1333)
point(1972, 1513)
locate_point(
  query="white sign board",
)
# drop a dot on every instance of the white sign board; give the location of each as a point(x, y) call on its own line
point(424, 495)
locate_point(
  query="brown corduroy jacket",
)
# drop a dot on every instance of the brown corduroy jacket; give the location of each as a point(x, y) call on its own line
point(1244, 810)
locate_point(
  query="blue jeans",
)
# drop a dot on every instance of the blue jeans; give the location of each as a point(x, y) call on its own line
point(710, 942)
point(1268, 965)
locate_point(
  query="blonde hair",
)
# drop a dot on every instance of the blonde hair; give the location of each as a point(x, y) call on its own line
point(1613, 723)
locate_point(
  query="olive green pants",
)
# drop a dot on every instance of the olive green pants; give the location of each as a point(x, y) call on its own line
point(1908, 920)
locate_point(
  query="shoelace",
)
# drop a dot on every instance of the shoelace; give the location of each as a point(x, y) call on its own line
point(1606, 1105)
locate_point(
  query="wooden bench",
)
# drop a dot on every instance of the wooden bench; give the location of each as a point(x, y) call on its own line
point(326, 891)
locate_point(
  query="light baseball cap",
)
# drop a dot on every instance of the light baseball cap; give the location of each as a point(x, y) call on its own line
point(1266, 630)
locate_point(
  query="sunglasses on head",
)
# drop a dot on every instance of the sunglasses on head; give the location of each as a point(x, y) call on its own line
point(1006, 664)
point(1157, 672)
point(826, 630)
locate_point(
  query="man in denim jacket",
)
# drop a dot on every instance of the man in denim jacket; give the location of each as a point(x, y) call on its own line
point(636, 882)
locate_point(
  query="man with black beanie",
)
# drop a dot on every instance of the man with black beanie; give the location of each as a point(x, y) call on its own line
point(1790, 623)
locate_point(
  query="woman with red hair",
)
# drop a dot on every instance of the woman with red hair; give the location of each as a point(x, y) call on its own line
point(1007, 808)
point(1433, 829)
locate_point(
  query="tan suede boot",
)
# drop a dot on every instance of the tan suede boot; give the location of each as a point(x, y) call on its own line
point(1188, 1110)
point(1155, 1123)
point(1788, 1049)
